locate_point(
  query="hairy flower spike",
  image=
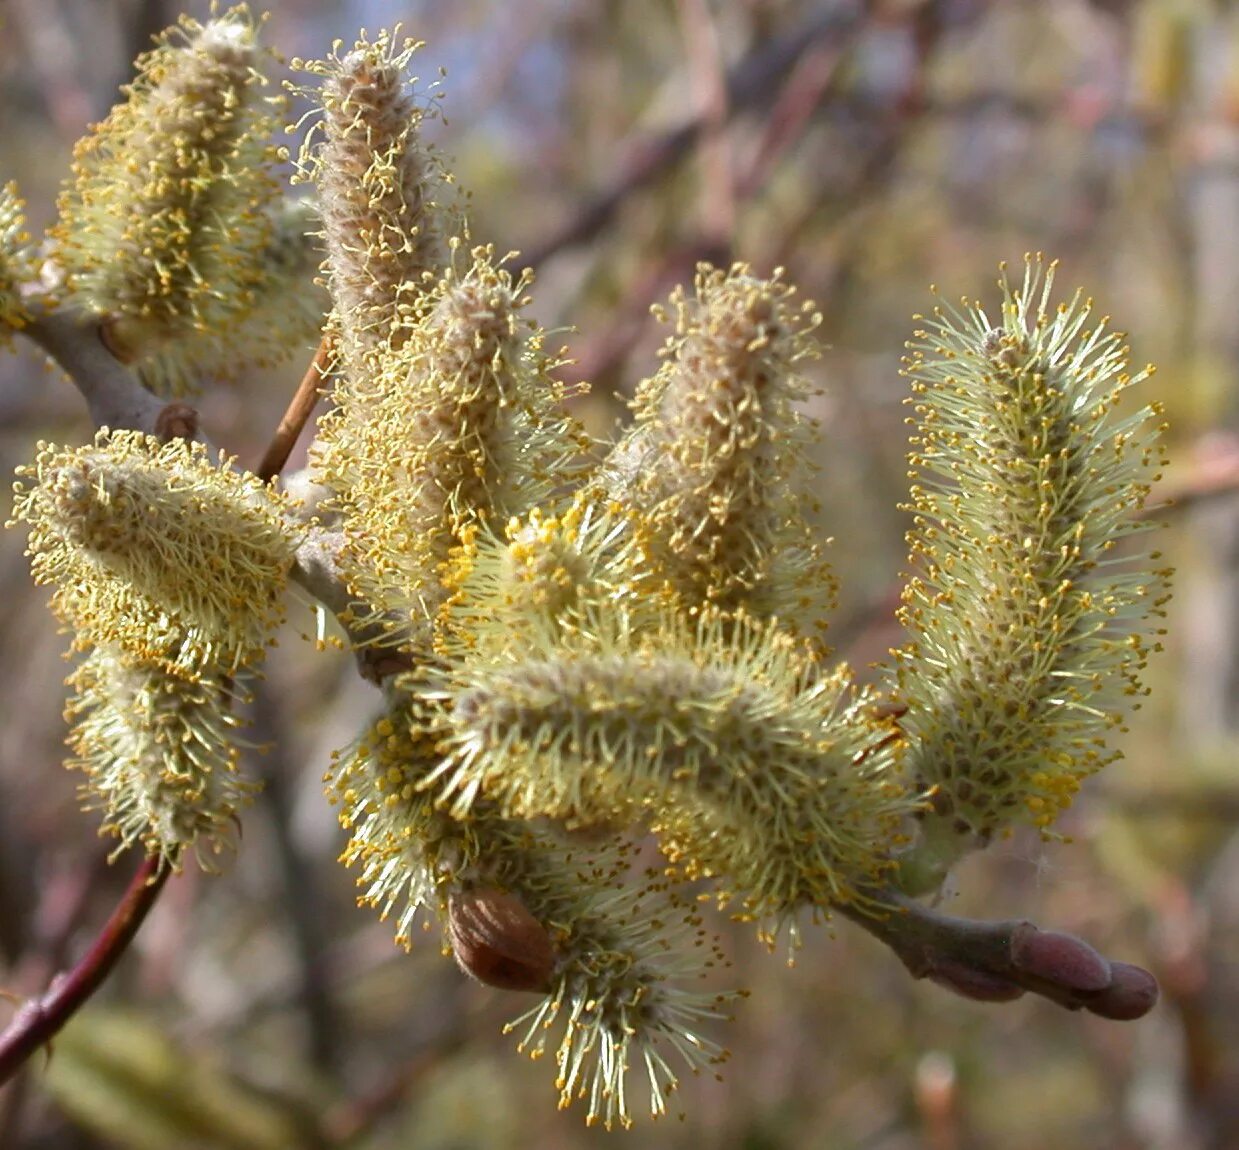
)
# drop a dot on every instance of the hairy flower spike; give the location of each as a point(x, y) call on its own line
point(163, 231)
point(159, 754)
point(284, 319)
point(1025, 618)
point(623, 948)
point(626, 954)
point(170, 555)
point(552, 575)
point(714, 466)
point(457, 426)
point(378, 184)
point(751, 764)
point(16, 261)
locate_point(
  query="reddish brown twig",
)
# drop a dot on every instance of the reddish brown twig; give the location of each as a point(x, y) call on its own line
point(1000, 961)
point(63, 898)
point(41, 1018)
point(297, 413)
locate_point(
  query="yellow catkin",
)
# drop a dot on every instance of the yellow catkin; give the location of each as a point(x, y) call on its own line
point(163, 228)
point(751, 764)
point(627, 952)
point(714, 467)
point(456, 427)
point(159, 753)
point(1025, 625)
point(381, 189)
point(16, 261)
point(159, 549)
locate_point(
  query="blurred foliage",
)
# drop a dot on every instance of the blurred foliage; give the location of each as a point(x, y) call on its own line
point(906, 142)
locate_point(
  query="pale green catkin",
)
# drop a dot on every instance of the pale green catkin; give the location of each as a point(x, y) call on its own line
point(160, 549)
point(626, 951)
point(163, 229)
point(160, 755)
point(752, 765)
point(1027, 613)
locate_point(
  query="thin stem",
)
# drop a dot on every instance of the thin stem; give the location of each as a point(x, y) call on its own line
point(999, 961)
point(297, 414)
point(41, 1018)
point(62, 899)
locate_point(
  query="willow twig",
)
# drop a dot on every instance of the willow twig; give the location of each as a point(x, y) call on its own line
point(1000, 961)
point(43, 1016)
point(297, 413)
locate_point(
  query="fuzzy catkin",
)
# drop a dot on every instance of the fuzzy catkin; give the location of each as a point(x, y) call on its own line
point(456, 427)
point(160, 754)
point(16, 261)
point(163, 229)
point(158, 549)
point(283, 320)
point(626, 952)
point(751, 765)
point(379, 187)
point(551, 573)
point(714, 469)
point(1026, 618)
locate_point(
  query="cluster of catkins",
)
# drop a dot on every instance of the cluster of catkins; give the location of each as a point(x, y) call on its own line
point(576, 643)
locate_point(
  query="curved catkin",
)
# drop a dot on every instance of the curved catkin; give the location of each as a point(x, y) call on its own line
point(16, 261)
point(162, 230)
point(160, 754)
point(158, 549)
point(714, 467)
point(378, 186)
point(751, 765)
point(625, 953)
point(1026, 615)
point(456, 428)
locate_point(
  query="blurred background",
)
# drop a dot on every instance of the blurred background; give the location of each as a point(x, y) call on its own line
point(872, 149)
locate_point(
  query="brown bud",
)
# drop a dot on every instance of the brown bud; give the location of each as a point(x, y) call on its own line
point(1061, 959)
point(112, 334)
point(176, 421)
point(498, 942)
point(1132, 993)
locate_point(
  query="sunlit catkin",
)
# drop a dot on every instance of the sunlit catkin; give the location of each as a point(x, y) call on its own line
point(162, 229)
point(160, 754)
point(379, 186)
point(157, 548)
point(456, 426)
point(16, 261)
point(714, 466)
point(618, 983)
point(751, 764)
point(283, 320)
point(1030, 605)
